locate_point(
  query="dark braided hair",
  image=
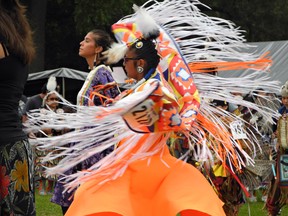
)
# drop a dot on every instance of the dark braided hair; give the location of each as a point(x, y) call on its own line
point(146, 51)
point(102, 39)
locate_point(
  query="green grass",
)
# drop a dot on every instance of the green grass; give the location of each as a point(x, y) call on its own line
point(46, 208)
point(256, 209)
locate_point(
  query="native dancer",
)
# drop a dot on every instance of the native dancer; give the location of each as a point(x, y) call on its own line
point(164, 102)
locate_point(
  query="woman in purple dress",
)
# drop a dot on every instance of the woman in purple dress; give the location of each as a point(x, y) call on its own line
point(94, 43)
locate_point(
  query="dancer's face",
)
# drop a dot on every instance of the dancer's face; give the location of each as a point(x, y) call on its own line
point(131, 62)
point(285, 101)
point(88, 46)
point(52, 101)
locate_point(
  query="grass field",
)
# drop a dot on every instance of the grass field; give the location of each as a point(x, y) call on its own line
point(45, 208)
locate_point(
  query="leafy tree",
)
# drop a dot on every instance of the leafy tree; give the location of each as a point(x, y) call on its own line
point(37, 16)
point(67, 21)
point(62, 39)
point(262, 20)
point(101, 13)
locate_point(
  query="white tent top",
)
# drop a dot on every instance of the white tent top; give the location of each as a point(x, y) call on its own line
point(60, 72)
point(118, 74)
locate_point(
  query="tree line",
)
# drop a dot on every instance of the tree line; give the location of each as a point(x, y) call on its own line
point(60, 25)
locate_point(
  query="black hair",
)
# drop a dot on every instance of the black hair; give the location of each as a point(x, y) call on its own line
point(102, 38)
point(219, 103)
point(146, 51)
point(257, 91)
point(44, 89)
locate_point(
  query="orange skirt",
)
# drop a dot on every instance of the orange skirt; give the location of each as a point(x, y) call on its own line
point(155, 186)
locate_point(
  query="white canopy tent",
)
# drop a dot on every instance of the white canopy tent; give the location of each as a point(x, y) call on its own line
point(70, 81)
point(60, 72)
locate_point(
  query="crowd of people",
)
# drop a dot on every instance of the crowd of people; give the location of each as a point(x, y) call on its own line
point(120, 151)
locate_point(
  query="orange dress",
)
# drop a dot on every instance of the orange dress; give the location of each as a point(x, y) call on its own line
point(157, 185)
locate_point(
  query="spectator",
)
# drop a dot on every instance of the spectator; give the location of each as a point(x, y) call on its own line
point(16, 164)
point(34, 102)
point(278, 193)
point(50, 102)
point(229, 190)
point(95, 42)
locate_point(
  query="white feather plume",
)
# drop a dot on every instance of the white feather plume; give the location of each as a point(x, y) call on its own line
point(115, 53)
point(184, 21)
point(51, 84)
point(145, 23)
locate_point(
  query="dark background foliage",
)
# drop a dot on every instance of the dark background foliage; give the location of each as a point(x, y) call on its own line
point(60, 25)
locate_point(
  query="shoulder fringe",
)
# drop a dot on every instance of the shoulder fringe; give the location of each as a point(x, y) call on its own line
point(197, 34)
point(94, 130)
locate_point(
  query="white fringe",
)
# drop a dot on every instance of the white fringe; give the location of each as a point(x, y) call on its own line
point(51, 84)
point(96, 129)
point(197, 34)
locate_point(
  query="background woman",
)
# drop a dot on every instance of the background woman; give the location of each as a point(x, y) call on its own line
point(50, 103)
point(16, 163)
point(277, 191)
point(95, 42)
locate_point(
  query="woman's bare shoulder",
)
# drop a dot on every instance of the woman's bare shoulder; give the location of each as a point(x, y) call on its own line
point(2, 51)
point(2, 54)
